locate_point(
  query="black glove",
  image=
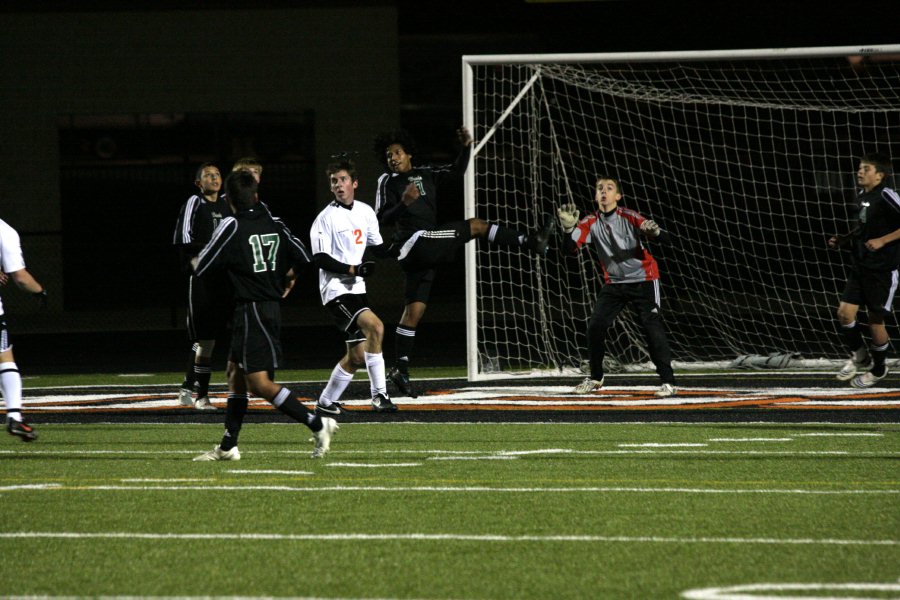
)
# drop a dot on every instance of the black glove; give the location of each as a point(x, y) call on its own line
point(366, 269)
point(41, 298)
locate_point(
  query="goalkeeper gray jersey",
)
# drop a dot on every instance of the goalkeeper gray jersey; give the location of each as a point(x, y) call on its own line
point(616, 237)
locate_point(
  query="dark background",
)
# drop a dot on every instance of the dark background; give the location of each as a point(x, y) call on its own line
point(138, 272)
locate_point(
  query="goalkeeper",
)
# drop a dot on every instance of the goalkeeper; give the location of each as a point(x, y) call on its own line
point(630, 276)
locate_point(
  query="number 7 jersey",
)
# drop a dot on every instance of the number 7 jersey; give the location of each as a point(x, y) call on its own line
point(257, 250)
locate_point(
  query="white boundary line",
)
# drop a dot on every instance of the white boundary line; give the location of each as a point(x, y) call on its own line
point(58, 487)
point(432, 537)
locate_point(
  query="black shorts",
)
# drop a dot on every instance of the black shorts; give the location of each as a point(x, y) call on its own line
point(872, 289)
point(643, 297)
point(434, 246)
point(210, 307)
point(345, 309)
point(256, 336)
point(429, 249)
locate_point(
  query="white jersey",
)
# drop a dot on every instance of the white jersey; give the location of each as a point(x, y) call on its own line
point(11, 259)
point(343, 233)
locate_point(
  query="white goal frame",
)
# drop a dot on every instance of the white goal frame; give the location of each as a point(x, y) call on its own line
point(484, 132)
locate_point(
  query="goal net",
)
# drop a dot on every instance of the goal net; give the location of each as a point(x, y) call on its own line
point(748, 158)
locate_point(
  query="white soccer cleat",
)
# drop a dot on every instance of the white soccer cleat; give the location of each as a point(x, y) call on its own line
point(588, 385)
point(666, 390)
point(852, 367)
point(218, 454)
point(868, 379)
point(186, 397)
point(204, 404)
point(323, 437)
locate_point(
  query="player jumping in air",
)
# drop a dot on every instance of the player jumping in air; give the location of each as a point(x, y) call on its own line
point(407, 199)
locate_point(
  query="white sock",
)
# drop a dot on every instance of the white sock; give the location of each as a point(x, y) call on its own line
point(375, 367)
point(337, 383)
point(11, 384)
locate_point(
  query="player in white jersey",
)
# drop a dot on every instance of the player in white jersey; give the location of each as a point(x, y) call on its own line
point(12, 264)
point(339, 237)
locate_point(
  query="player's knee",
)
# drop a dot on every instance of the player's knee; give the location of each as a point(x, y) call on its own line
point(597, 328)
point(205, 348)
point(354, 360)
point(478, 227)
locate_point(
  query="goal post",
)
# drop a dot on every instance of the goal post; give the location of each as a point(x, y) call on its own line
point(747, 157)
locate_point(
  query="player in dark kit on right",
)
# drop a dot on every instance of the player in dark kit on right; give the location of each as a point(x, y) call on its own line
point(872, 278)
point(260, 256)
point(209, 299)
point(407, 198)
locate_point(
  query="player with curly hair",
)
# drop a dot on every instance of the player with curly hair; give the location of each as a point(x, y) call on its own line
point(406, 198)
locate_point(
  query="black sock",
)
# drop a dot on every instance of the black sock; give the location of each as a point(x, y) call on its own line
point(404, 340)
point(852, 334)
point(286, 403)
point(188, 383)
point(202, 373)
point(879, 354)
point(504, 236)
point(234, 418)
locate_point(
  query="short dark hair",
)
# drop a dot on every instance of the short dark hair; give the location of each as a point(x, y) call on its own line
point(240, 188)
point(199, 172)
point(880, 161)
point(342, 165)
point(610, 178)
point(389, 138)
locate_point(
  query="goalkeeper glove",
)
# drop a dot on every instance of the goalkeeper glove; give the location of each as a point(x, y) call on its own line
point(366, 269)
point(650, 228)
point(568, 216)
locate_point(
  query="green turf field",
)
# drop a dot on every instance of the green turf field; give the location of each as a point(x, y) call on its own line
point(440, 511)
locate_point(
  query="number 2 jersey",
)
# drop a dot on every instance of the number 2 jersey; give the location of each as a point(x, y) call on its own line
point(256, 250)
point(343, 233)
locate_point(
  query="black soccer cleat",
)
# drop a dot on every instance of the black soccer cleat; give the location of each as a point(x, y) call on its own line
point(332, 410)
point(21, 429)
point(381, 403)
point(401, 380)
point(538, 241)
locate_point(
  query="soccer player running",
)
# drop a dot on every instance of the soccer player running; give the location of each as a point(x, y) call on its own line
point(407, 199)
point(259, 255)
point(210, 304)
point(630, 276)
point(339, 237)
point(12, 264)
point(872, 277)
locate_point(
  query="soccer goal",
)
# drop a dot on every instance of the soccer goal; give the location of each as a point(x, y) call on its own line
point(748, 157)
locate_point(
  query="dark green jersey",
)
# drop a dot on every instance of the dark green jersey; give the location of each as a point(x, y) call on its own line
point(256, 250)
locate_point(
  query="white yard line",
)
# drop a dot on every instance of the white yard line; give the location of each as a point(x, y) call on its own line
point(440, 537)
